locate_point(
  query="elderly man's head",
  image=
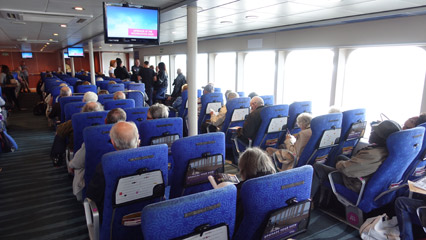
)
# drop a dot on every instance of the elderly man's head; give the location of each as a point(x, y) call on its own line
point(231, 95)
point(65, 92)
point(158, 110)
point(119, 95)
point(256, 102)
point(179, 71)
point(115, 115)
point(124, 135)
point(90, 97)
point(92, 107)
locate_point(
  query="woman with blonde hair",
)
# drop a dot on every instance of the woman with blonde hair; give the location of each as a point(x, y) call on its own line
point(112, 66)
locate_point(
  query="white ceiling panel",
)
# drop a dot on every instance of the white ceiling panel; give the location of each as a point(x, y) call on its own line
point(379, 6)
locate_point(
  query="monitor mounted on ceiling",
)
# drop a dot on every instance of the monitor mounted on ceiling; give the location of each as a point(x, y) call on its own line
point(27, 55)
point(75, 52)
point(131, 24)
point(66, 55)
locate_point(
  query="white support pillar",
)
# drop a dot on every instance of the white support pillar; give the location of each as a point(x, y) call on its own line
point(72, 67)
point(92, 63)
point(192, 46)
point(63, 63)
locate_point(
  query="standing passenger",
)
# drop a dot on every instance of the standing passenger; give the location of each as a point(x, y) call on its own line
point(148, 77)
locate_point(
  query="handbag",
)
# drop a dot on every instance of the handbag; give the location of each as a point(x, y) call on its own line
point(380, 228)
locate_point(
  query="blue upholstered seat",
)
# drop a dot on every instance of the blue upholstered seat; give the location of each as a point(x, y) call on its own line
point(189, 148)
point(241, 94)
point(97, 143)
point(294, 110)
point(71, 81)
point(273, 126)
point(86, 88)
point(417, 168)
point(65, 100)
point(121, 164)
point(172, 218)
point(137, 96)
point(237, 105)
point(268, 100)
point(156, 128)
point(105, 97)
point(103, 84)
point(112, 88)
point(72, 108)
point(313, 152)
point(183, 110)
point(137, 86)
point(120, 103)
point(217, 90)
point(347, 142)
point(403, 147)
point(56, 92)
point(264, 194)
point(206, 103)
point(136, 115)
point(83, 120)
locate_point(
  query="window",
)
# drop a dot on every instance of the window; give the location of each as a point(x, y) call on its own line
point(259, 73)
point(180, 62)
point(385, 80)
point(307, 77)
point(225, 69)
point(202, 70)
point(152, 61)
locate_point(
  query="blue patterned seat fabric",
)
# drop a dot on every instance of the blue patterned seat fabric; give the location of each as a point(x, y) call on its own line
point(120, 103)
point(178, 217)
point(82, 120)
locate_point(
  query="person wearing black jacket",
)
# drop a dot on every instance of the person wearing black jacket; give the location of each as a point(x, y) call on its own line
point(147, 75)
point(121, 71)
point(135, 70)
point(161, 82)
point(178, 83)
point(253, 120)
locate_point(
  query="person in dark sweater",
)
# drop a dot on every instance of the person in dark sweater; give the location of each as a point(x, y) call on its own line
point(121, 71)
point(253, 120)
point(148, 76)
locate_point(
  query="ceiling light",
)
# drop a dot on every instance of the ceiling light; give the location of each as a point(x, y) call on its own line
point(251, 17)
point(100, 47)
point(55, 34)
point(226, 22)
point(50, 39)
point(48, 43)
point(78, 8)
point(110, 45)
point(63, 25)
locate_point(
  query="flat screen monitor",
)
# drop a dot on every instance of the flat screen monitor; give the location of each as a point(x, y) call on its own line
point(66, 55)
point(75, 52)
point(131, 24)
point(27, 55)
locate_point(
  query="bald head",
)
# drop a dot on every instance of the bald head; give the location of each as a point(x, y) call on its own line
point(90, 97)
point(124, 135)
point(92, 107)
point(65, 92)
point(119, 95)
point(256, 102)
point(115, 115)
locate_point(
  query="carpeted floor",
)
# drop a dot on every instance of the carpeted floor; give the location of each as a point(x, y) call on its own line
point(36, 200)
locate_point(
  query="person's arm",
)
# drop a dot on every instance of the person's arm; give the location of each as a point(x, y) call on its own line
point(78, 160)
point(364, 163)
point(217, 120)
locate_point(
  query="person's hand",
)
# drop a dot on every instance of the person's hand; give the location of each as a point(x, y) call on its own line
point(211, 113)
point(288, 136)
point(169, 98)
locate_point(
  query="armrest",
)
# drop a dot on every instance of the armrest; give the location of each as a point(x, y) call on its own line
point(390, 190)
point(92, 218)
point(236, 141)
point(342, 199)
point(419, 210)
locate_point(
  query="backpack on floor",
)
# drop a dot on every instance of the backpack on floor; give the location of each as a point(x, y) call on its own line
point(57, 153)
point(39, 109)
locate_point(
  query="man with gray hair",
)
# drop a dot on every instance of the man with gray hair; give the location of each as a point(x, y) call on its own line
point(178, 83)
point(92, 107)
point(124, 135)
point(90, 97)
point(119, 95)
point(55, 114)
point(158, 110)
point(78, 162)
point(253, 120)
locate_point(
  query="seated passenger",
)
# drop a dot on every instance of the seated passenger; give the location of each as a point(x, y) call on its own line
point(414, 121)
point(178, 102)
point(406, 210)
point(85, 83)
point(119, 95)
point(363, 164)
point(103, 92)
point(157, 111)
point(78, 162)
point(253, 163)
point(124, 135)
point(217, 119)
point(56, 108)
point(65, 129)
point(253, 94)
point(293, 145)
point(90, 97)
point(253, 120)
point(209, 88)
